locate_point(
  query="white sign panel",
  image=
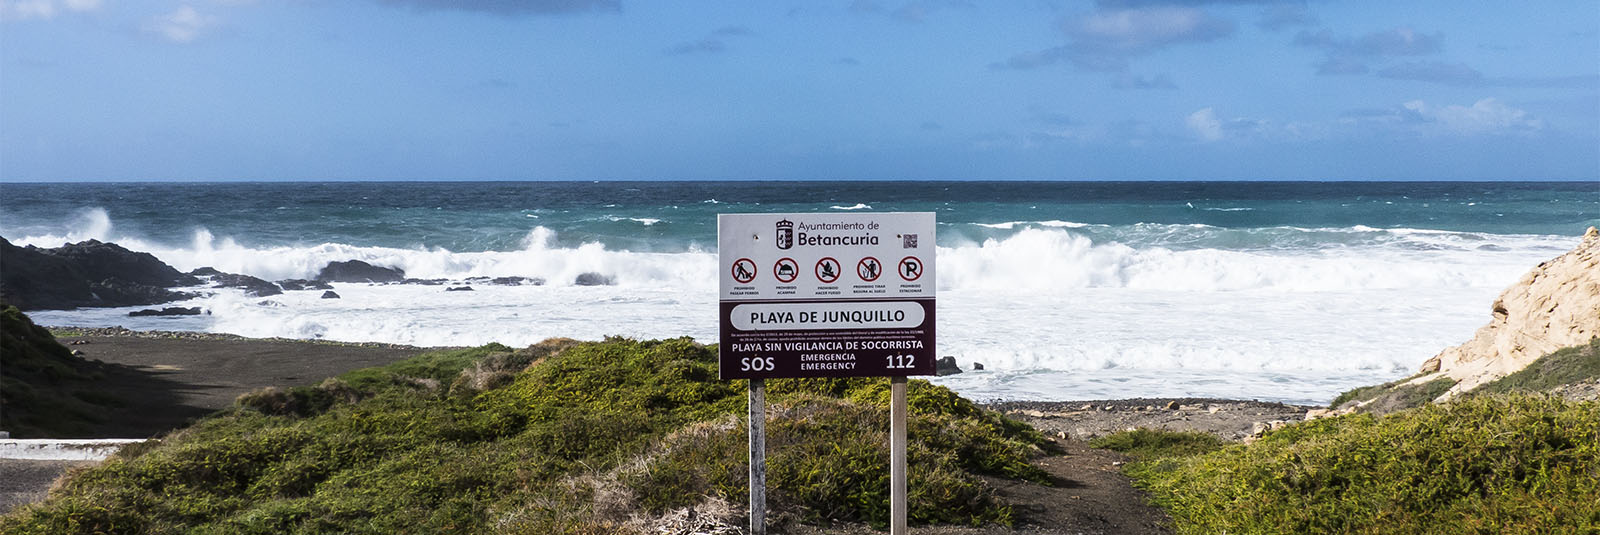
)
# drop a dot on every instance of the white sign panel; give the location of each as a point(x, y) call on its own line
point(826, 294)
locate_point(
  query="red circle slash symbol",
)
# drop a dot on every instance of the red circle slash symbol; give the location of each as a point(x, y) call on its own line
point(744, 270)
point(910, 268)
point(869, 269)
point(786, 270)
point(827, 270)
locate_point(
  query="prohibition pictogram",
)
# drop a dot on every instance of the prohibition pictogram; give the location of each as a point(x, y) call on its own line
point(910, 268)
point(744, 270)
point(827, 270)
point(869, 269)
point(786, 270)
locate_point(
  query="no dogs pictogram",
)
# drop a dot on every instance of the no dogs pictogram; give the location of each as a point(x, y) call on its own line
point(786, 270)
point(910, 268)
point(827, 270)
point(869, 269)
point(744, 270)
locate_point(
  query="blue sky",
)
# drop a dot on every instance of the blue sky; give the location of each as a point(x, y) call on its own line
point(617, 89)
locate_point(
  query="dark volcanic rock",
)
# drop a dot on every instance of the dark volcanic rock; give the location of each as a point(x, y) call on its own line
point(517, 281)
point(594, 279)
point(32, 279)
point(115, 293)
point(946, 366)
point(207, 271)
point(358, 271)
point(329, 295)
point(252, 286)
point(458, 289)
point(426, 282)
point(169, 311)
point(302, 284)
point(100, 261)
point(86, 274)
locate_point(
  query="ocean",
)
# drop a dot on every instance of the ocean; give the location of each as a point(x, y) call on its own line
point(1284, 291)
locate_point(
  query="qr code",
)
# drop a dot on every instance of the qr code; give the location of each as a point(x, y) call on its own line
point(910, 241)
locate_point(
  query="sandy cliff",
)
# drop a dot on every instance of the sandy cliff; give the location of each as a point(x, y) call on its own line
point(1553, 306)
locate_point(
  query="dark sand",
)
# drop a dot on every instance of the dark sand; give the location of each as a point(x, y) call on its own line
point(170, 379)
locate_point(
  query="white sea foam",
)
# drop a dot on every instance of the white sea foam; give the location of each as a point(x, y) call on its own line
point(1053, 311)
point(857, 206)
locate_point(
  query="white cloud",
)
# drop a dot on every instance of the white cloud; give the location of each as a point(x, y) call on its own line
point(1204, 123)
point(43, 9)
point(1486, 116)
point(1106, 41)
point(182, 25)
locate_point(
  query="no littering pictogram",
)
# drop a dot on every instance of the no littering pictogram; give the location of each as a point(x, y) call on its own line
point(910, 268)
point(869, 269)
point(786, 270)
point(744, 270)
point(827, 270)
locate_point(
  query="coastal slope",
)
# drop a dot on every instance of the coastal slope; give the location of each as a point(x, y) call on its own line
point(1555, 305)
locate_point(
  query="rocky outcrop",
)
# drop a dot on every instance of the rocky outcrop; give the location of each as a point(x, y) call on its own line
point(252, 286)
point(591, 278)
point(1554, 306)
point(358, 271)
point(100, 261)
point(302, 284)
point(169, 311)
point(86, 274)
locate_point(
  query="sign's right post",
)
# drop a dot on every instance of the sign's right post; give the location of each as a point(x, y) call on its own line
point(897, 455)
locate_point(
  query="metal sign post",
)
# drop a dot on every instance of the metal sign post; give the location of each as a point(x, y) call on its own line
point(826, 295)
point(897, 455)
point(758, 457)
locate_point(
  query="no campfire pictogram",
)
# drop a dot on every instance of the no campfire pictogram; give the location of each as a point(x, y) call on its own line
point(827, 270)
point(910, 268)
point(869, 269)
point(786, 270)
point(744, 270)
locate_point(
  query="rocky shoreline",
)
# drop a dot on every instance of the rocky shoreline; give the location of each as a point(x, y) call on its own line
point(1228, 419)
point(83, 333)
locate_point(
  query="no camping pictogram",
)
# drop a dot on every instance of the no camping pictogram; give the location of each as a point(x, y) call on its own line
point(744, 270)
point(869, 269)
point(827, 270)
point(786, 269)
point(910, 268)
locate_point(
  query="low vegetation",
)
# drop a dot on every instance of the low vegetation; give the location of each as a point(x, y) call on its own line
point(44, 389)
point(1393, 396)
point(562, 437)
point(1490, 464)
point(1567, 366)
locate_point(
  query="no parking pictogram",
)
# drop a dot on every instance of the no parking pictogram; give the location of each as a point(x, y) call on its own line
point(786, 270)
point(869, 269)
point(827, 270)
point(910, 268)
point(744, 270)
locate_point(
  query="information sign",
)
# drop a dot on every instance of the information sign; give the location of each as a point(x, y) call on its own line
point(826, 295)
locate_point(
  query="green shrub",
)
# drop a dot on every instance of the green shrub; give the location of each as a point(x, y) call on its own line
point(591, 435)
point(45, 391)
point(1492, 464)
point(1562, 367)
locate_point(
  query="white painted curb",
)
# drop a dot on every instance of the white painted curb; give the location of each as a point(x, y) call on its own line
point(54, 449)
